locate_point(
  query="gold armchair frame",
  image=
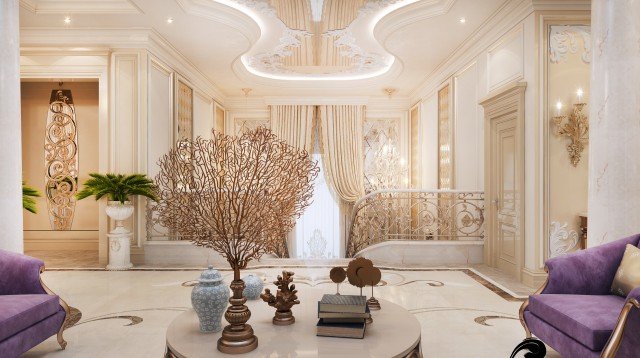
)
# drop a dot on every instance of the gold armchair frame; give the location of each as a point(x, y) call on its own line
point(65, 306)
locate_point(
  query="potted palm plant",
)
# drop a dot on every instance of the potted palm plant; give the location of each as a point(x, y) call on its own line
point(118, 188)
point(28, 195)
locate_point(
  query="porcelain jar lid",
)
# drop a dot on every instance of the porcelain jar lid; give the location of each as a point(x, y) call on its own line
point(210, 276)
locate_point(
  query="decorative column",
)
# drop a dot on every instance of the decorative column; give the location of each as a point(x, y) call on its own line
point(10, 134)
point(614, 138)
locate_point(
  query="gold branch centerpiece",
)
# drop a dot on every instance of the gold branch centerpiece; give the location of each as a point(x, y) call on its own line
point(240, 196)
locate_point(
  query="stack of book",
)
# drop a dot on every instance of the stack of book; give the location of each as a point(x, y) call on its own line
point(342, 316)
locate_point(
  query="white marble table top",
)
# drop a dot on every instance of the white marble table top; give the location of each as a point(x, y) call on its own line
point(395, 332)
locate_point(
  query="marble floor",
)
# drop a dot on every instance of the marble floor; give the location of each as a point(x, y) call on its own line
point(125, 314)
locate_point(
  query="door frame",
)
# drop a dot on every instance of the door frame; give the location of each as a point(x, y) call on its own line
point(504, 100)
point(90, 64)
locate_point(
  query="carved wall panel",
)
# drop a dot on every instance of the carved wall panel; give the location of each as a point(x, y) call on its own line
point(241, 125)
point(381, 154)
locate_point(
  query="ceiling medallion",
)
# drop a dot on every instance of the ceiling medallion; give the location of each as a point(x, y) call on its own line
point(317, 39)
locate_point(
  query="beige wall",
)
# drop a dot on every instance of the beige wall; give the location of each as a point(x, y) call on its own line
point(567, 185)
point(35, 104)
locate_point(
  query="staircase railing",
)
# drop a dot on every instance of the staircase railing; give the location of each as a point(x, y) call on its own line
point(414, 214)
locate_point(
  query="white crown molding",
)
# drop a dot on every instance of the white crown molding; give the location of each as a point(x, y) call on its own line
point(88, 41)
point(373, 103)
point(218, 12)
point(500, 23)
point(81, 6)
point(540, 5)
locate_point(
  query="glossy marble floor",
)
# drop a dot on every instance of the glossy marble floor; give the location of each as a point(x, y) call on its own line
point(125, 314)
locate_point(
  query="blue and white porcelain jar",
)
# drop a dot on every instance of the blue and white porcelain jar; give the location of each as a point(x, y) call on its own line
point(252, 286)
point(210, 298)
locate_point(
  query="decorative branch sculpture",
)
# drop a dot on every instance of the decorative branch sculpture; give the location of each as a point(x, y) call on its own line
point(238, 196)
point(284, 299)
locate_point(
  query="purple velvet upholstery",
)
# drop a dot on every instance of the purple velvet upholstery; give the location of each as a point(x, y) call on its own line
point(28, 315)
point(576, 311)
point(558, 340)
point(22, 311)
point(589, 319)
point(20, 274)
point(587, 272)
point(31, 337)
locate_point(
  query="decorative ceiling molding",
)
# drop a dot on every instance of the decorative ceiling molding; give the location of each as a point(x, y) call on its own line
point(85, 41)
point(407, 15)
point(373, 103)
point(359, 53)
point(81, 6)
point(564, 40)
point(226, 15)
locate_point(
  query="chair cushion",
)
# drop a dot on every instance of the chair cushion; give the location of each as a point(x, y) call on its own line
point(589, 319)
point(19, 312)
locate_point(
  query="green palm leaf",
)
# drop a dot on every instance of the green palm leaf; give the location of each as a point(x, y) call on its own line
point(118, 187)
point(28, 195)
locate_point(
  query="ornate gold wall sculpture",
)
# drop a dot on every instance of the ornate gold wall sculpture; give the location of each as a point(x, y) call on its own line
point(61, 159)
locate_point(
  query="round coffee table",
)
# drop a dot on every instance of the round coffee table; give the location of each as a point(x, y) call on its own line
point(395, 332)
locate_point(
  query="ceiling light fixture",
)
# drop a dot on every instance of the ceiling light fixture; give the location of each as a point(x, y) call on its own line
point(67, 20)
point(462, 20)
point(390, 91)
point(169, 20)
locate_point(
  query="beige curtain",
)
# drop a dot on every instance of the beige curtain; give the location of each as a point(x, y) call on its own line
point(294, 124)
point(342, 142)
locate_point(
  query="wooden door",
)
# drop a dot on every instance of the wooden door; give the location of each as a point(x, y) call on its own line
point(504, 179)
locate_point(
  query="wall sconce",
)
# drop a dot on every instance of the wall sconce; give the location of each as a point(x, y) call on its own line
point(575, 126)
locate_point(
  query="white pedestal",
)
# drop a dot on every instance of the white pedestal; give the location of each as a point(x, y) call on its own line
point(119, 249)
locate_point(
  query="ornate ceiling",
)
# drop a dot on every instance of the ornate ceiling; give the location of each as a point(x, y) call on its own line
point(279, 48)
point(317, 39)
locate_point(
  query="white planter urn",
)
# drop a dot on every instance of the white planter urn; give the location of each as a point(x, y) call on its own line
point(119, 237)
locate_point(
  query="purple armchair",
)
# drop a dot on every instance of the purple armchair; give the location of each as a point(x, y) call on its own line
point(574, 311)
point(29, 312)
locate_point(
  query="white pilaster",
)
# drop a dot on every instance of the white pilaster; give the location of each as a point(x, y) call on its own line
point(11, 237)
point(614, 138)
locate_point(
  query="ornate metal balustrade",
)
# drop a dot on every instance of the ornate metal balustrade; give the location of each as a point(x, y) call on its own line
point(410, 214)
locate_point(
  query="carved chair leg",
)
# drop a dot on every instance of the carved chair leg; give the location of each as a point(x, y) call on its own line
point(534, 346)
point(61, 341)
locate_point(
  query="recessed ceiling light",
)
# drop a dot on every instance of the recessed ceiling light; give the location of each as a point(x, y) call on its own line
point(462, 20)
point(170, 20)
point(67, 20)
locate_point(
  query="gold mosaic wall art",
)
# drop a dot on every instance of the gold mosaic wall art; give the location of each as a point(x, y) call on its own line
point(61, 160)
point(445, 165)
point(184, 130)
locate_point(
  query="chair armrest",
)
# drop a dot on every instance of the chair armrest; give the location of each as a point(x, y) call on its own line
point(625, 339)
point(20, 274)
point(586, 272)
point(634, 294)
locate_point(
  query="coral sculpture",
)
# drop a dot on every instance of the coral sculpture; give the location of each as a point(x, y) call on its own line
point(284, 299)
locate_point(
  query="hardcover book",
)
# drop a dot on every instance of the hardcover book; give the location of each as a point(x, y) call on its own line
point(341, 330)
point(343, 304)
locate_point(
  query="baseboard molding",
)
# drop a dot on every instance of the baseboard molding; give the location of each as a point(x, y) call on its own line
point(60, 240)
point(533, 278)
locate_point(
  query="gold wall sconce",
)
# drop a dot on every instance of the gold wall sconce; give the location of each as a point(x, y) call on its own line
point(574, 126)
